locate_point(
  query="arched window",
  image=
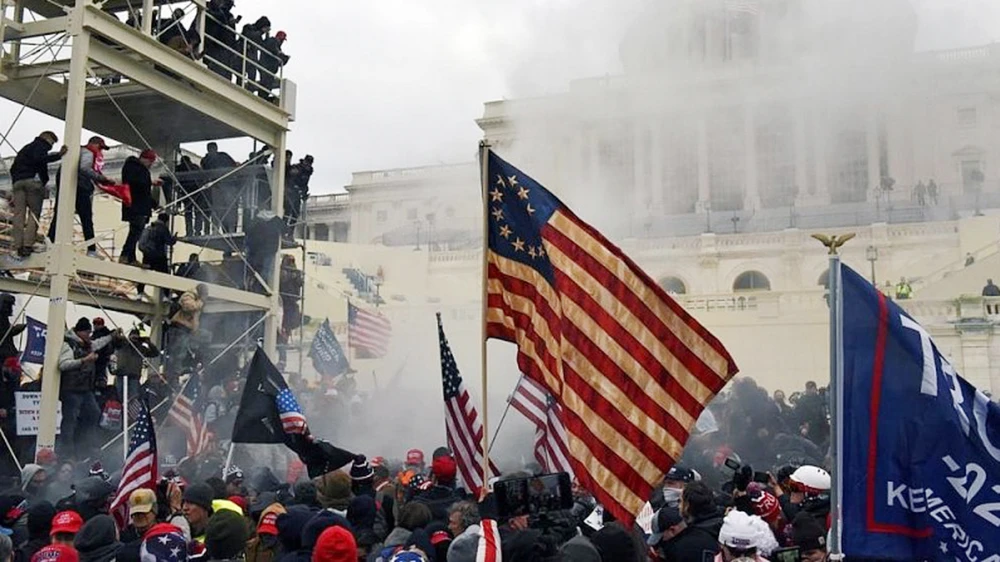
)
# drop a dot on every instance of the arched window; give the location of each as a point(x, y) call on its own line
point(751, 281)
point(673, 285)
point(824, 279)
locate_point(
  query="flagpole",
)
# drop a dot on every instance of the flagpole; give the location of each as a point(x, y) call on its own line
point(504, 415)
point(125, 415)
point(484, 165)
point(229, 460)
point(835, 298)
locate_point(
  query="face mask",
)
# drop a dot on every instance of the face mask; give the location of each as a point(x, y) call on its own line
point(672, 496)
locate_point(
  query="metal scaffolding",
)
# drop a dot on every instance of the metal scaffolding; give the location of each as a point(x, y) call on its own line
point(123, 82)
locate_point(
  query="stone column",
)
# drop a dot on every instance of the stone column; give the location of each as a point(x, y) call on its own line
point(640, 195)
point(657, 153)
point(751, 195)
point(871, 139)
point(821, 133)
point(801, 159)
point(704, 194)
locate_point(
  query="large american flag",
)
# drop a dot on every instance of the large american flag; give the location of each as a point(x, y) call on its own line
point(140, 466)
point(368, 331)
point(462, 426)
point(188, 413)
point(542, 410)
point(631, 369)
point(292, 419)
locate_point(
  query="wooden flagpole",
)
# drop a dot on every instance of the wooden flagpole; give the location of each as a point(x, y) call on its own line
point(484, 165)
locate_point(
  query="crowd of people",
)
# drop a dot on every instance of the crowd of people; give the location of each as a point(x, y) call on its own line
point(748, 485)
point(403, 511)
point(253, 56)
point(210, 196)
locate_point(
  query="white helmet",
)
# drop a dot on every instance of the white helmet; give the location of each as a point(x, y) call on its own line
point(811, 479)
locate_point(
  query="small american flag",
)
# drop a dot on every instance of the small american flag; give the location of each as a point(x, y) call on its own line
point(464, 431)
point(551, 450)
point(368, 331)
point(187, 413)
point(140, 465)
point(292, 419)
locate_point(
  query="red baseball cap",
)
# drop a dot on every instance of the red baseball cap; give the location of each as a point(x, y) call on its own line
point(439, 537)
point(444, 469)
point(66, 522)
point(148, 154)
point(281, 36)
point(377, 461)
point(268, 524)
point(54, 552)
point(414, 456)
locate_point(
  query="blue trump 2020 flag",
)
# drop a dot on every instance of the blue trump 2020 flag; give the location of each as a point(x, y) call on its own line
point(921, 460)
point(327, 355)
point(34, 342)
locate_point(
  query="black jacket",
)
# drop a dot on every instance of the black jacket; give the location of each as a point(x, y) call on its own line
point(271, 57)
point(302, 179)
point(33, 161)
point(217, 160)
point(438, 499)
point(162, 240)
point(7, 347)
point(141, 184)
point(700, 537)
point(189, 176)
point(264, 237)
point(130, 361)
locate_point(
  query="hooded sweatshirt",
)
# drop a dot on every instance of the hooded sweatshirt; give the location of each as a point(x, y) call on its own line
point(96, 541)
point(265, 547)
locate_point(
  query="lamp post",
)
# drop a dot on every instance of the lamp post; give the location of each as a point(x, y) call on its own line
point(871, 254)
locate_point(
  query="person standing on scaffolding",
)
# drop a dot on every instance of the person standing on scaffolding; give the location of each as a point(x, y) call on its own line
point(135, 173)
point(196, 204)
point(253, 37)
point(89, 174)
point(225, 194)
point(30, 174)
point(297, 192)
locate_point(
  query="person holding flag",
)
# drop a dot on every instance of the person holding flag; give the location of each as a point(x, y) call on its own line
point(269, 413)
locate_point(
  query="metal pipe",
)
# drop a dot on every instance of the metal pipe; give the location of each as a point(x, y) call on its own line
point(836, 403)
point(61, 265)
point(147, 16)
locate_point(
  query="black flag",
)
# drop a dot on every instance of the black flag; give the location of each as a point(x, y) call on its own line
point(258, 419)
point(269, 414)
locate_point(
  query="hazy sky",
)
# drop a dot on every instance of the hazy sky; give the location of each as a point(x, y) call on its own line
point(398, 83)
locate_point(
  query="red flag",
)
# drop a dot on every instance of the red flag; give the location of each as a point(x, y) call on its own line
point(120, 191)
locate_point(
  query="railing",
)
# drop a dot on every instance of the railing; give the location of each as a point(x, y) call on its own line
point(332, 200)
point(406, 173)
point(243, 66)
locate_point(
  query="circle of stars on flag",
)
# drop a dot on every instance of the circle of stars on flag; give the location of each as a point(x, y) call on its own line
point(509, 186)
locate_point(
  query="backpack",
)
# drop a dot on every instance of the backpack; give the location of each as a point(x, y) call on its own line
point(147, 241)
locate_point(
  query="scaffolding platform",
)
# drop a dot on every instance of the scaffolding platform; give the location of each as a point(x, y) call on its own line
point(121, 82)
